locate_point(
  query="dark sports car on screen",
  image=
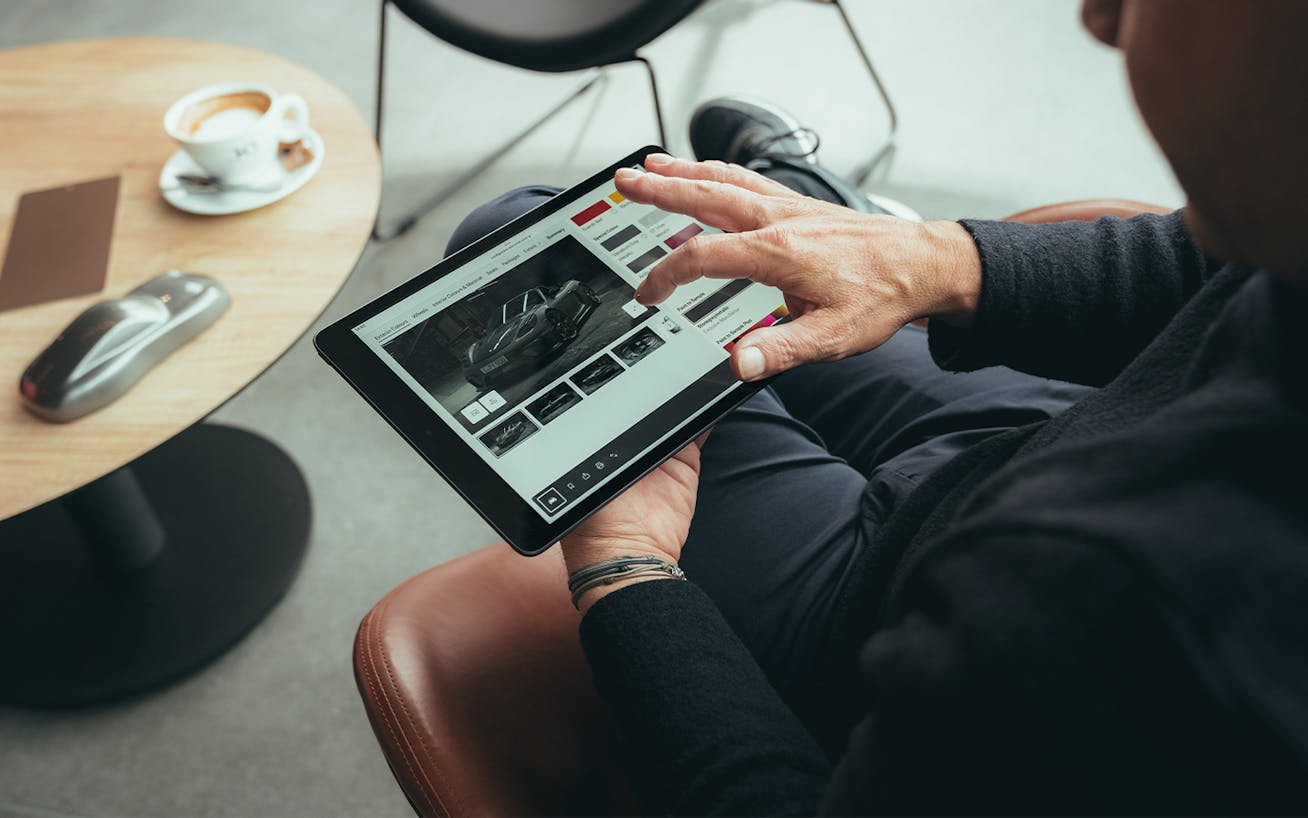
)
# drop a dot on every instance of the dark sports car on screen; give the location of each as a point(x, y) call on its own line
point(528, 330)
point(635, 349)
point(508, 434)
point(554, 404)
point(597, 373)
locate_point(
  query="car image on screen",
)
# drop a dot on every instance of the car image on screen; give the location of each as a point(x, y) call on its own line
point(529, 329)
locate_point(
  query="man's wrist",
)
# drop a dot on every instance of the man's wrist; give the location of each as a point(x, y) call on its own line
point(583, 552)
point(593, 595)
point(580, 554)
point(958, 264)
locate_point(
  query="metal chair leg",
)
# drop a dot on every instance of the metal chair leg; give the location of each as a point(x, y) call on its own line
point(861, 174)
point(378, 108)
point(654, 95)
point(404, 224)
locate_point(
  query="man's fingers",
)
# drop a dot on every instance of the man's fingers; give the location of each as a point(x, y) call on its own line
point(689, 454)
point(717, 255)
point(772, 350)
point(715, 171)
point(726, 207)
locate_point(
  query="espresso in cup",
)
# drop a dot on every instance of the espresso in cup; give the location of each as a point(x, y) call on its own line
point(233, 130)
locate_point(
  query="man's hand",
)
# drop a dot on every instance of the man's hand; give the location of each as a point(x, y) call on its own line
point(651, 518)
point(850, 279)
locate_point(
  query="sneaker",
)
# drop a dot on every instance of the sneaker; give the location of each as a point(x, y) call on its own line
point(762, 136)
point(740, 130)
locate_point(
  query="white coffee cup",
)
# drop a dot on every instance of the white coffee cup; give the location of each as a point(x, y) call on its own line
point(233, 129)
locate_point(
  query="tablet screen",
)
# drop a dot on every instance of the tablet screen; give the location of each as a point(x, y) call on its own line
point(536, 354)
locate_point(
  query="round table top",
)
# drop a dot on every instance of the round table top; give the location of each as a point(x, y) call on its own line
point(87, 109)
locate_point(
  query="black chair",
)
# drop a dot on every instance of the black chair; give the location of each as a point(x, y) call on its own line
point(560, 36)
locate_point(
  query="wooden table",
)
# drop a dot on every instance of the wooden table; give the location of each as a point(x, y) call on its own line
point(89, 109)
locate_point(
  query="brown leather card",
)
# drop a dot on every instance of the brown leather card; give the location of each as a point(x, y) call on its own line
point(59, 243)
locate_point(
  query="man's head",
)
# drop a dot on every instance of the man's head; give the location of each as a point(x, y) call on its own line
point(1223, 86)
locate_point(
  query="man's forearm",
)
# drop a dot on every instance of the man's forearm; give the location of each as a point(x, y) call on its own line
point(1074, 301)
point(705, 731)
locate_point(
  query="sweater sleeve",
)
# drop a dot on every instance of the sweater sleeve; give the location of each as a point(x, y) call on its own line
point(705, 732)
point(1022, 676)
point(1075, 301)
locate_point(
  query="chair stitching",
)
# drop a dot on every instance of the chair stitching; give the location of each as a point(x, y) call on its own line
point(428, 751)
point(458, 802)
point(385, 710)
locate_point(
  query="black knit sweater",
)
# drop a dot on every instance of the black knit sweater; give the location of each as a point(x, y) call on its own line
point(1103, 612)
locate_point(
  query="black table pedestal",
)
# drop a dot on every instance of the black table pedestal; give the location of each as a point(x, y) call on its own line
point(149, 573)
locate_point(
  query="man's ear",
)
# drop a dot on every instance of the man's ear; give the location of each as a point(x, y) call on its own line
point(1102, 18)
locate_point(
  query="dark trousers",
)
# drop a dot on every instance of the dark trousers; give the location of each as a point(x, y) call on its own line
point(798, 481)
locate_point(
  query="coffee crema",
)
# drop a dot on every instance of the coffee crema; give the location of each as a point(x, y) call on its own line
point(224, 115)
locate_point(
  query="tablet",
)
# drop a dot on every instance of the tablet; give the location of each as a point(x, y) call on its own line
point(523, 370)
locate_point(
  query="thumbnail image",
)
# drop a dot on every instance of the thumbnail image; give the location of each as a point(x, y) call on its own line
point(554, 403)
point(512, 431)
point(597, 374)
point(638, 346)
point(526, 328)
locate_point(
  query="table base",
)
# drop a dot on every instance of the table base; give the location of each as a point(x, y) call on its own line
point(87, 624)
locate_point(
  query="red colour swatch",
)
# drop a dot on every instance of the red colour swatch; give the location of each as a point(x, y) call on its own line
point(590, 212)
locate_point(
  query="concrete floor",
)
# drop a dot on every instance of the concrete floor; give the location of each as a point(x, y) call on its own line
point(1004, 104)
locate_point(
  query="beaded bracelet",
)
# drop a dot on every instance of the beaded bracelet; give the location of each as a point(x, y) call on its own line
point(610, 571)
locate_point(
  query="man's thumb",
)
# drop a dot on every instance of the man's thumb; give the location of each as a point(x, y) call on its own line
point(772, 350)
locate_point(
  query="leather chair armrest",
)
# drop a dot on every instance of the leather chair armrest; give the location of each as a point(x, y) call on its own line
point(473, 677)
point(1084, 210)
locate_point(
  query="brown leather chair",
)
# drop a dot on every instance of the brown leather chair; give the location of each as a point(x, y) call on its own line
point(1085, 210)
point(474, 681)
point(473, 677)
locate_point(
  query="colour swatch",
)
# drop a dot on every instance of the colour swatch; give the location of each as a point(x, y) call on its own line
point(647, 258)
point(590, 212)
point(620, 238)
point(683, 235)
point(716, 299)
point(768, 320)
point(653, 218)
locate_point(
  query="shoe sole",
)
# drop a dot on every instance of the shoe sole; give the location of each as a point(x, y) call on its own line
point(756, 108)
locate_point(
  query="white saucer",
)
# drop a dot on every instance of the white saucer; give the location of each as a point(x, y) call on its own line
point(235, 201)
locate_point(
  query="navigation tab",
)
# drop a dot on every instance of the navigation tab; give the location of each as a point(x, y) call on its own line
point(551, 500)
point(475, 412)
point(588, 474)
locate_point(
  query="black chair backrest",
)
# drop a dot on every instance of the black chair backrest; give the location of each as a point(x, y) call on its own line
point(548, 35)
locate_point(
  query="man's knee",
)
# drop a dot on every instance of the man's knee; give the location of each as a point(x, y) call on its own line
point(497, 212)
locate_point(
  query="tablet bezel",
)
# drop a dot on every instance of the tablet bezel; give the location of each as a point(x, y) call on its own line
point(455, 460)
